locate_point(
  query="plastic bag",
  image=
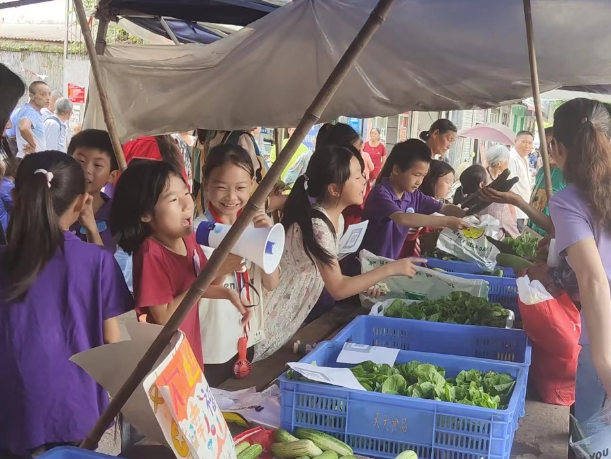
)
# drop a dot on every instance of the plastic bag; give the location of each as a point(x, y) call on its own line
point(471, 244)
point(554, 327)
point(532, 292)
point(596, 432)
point(427, 283)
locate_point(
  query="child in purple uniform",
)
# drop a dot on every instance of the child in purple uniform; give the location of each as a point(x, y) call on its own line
point(58, 296)
point(581, 214)
point(396, 204)
point(93, 150)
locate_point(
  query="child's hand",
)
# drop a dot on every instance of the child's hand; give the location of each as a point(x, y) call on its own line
point(405, 267)
point(235, 299)
point(455, 223)
point(87, 217)
point(261, 220)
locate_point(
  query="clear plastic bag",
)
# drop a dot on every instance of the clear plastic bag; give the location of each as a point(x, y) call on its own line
point(592, 440)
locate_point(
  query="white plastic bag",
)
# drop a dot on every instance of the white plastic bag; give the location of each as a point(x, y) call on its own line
point(532, 292)
point(596, 443)
point(427, 283)
point(471, 244)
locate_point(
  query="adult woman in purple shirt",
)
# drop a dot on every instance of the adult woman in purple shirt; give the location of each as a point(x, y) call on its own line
point(581, 214)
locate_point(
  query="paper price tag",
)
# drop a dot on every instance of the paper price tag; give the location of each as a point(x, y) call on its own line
point(353, 353)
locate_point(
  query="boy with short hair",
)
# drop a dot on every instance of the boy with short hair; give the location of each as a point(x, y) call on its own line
point(93, 150)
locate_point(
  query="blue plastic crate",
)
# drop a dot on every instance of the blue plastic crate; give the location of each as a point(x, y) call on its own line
point(464, 267)
point(501, 344)
point(503, 290)
point(71, 452)
point(382, 425)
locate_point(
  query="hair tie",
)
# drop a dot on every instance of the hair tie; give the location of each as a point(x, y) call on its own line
point(306, 179)
point(48, 175)
point(584, 120)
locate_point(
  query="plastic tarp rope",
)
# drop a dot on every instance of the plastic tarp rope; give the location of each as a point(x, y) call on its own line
point(429, 55)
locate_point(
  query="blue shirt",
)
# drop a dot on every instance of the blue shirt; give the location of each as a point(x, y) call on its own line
point(12, 131)
point(6, 202)
point(55, 134)
point(29, 112)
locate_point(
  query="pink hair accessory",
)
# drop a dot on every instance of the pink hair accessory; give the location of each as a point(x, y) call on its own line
point(48, 175)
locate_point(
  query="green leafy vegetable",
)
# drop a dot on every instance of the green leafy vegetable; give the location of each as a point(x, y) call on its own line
point(456, 308)
point(524, 245)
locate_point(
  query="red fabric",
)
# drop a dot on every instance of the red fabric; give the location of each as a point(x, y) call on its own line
point(146, 148)
point(161, 275)
point(554, 328)
point(411, 247)
point(377, 156)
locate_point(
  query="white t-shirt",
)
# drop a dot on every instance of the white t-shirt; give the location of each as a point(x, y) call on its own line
point(519, 168)
point(220, 320)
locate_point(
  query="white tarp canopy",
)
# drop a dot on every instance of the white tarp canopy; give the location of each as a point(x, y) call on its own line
point(429, 55)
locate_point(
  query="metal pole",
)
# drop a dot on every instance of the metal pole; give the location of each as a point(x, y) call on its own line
point(168, 30)
point(97, 76)
point(254, 205)
point(534, 80)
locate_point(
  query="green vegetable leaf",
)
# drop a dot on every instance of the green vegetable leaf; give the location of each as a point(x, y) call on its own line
point(394, 384)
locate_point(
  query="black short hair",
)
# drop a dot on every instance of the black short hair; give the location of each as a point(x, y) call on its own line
point(472, 178)
point(33, 86)
point(94, 138)
point(522, 133)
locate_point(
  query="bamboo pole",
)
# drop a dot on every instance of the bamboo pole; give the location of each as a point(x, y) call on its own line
point(534, 80)
point(97, 76)
point(256, 203)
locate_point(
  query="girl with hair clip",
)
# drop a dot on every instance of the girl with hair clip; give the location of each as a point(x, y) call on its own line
point(439, 138)
point(581, 214)
point(228, 178)
point(334, 180)
point(152, 217)
point(58, 296)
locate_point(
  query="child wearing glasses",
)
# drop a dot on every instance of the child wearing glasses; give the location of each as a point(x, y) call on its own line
point(152, 217)
point(228, 180)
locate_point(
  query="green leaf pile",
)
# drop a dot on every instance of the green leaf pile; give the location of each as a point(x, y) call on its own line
point(524, 245)
point(457, 308)
point(423, 380)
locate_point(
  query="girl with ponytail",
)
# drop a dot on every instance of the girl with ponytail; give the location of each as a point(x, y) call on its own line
point(58, 296)
point(314, 225)
point(581, 214)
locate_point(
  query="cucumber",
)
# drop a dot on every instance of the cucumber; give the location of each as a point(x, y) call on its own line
point(282, 436)
point(407, 455)
point(252, 452)
point(295, 449)
point(328, 455)
point(241, 447)
point(324, 441)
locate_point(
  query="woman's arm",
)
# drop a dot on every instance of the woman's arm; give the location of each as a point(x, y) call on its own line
point(341, 287)
point(595, 304)
point(538, 218)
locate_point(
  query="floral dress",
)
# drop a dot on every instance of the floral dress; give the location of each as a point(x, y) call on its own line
point(300, 287)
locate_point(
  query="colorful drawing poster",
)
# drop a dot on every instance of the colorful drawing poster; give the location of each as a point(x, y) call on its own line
point(190, 419)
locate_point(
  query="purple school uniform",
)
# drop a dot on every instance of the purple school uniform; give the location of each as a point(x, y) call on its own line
point(45, 398)
point(384, 237)
point(574, 221)
point(102, 218)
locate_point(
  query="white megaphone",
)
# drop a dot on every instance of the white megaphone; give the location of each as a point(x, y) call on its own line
point(262, 246)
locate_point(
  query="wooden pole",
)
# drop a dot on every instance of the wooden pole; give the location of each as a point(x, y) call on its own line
point(534, 80)
point(254, 205)
point(97, 76)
